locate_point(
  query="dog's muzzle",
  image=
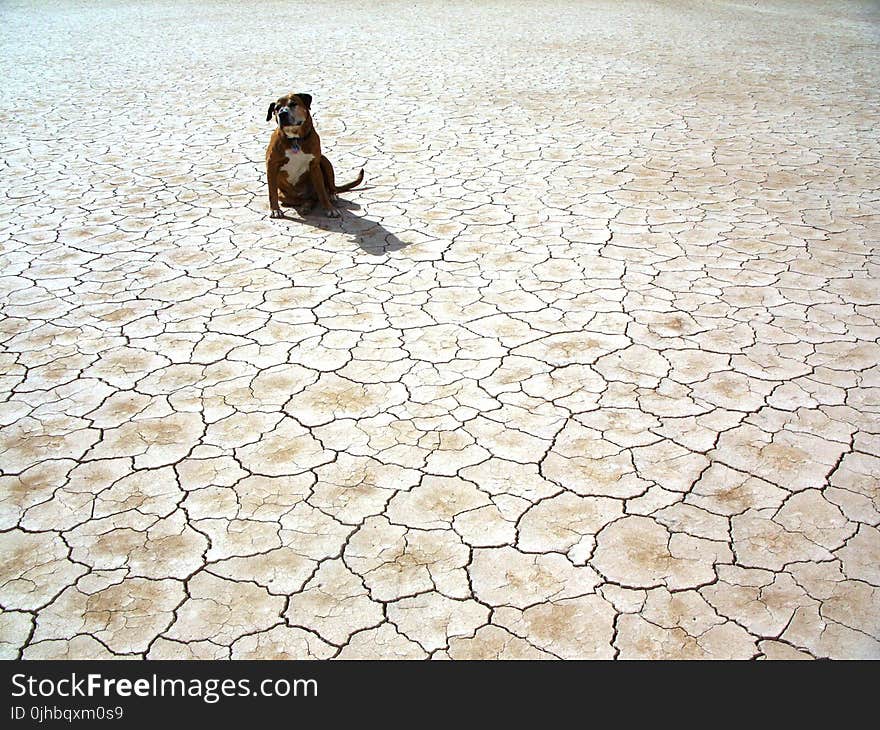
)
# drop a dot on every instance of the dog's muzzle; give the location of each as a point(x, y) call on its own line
point(286, 118)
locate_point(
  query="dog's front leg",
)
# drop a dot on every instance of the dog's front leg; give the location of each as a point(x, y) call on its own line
point(272, 177)
point(321, 189)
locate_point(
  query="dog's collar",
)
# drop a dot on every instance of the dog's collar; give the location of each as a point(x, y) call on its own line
point(299, 140)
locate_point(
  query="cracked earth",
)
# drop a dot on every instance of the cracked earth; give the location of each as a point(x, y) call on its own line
point(588, 370)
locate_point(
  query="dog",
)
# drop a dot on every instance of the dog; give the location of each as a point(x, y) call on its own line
point(298, 174)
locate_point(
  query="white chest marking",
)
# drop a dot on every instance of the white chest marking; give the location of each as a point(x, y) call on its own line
point(297, 164)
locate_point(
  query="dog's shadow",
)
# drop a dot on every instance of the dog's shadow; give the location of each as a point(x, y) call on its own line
point(372, 237)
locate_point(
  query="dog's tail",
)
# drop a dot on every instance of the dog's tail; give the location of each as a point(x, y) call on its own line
point(352, 184)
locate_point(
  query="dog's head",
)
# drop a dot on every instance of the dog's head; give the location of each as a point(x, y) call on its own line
point(291, 112)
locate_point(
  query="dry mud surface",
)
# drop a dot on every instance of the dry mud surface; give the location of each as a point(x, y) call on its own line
point(588, 370)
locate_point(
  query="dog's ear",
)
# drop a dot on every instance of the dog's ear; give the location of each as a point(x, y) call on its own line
point(271, 109)
point(307, 99)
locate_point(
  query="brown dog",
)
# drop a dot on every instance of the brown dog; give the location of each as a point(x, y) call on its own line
point(295, 166)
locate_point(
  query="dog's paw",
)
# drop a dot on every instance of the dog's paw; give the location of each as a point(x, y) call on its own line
point(276, 213)
point(332, 213)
